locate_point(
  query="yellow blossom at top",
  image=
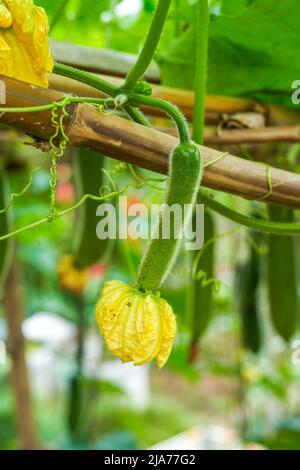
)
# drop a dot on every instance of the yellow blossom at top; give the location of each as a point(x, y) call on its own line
point(136, 327)
point(5, 16)
point(24, 46)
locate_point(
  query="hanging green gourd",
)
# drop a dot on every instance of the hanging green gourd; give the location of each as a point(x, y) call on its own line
point(89, 179)
point(88, 248)
point(201, 293)
point(248, 279)
point(136, 323)
point(282, 276)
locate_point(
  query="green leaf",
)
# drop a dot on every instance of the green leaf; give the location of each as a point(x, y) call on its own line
point(232, 7)
point(253, 54)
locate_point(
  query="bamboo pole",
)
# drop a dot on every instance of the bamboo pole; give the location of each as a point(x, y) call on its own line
point(216, 107)
point(129, 142)
point(217, 137)
point(104, 61)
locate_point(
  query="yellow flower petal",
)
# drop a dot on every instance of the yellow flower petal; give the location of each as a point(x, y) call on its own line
point(72, 279)
point(5, 17)
point(114, 312)
point(169, 332)
point(136, 327)
point(24, 47)
point(150, 336)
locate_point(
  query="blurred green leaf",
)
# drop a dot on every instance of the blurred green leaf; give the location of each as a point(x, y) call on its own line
point(261, 64)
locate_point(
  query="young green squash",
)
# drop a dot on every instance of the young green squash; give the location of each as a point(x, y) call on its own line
point(184, 179)
point(282, 276)
point(201, 294)
point(136, 323)
point(248, 279)
point(89, 179)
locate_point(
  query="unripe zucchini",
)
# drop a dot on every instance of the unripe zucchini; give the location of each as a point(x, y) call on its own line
point(75, 405)
point(6, 246)
point(89, 178)
point(184, 178)
point(201, 296)
point(247, 291)
point(282, 276)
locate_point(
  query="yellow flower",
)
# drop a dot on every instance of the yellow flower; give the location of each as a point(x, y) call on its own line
point(251, 374)
point(5, 16)
point(71, 279)
point(24, 46)
point(136, 327)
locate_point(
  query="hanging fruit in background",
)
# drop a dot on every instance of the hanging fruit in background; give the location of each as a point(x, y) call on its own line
point(71, 278)
point(248, 278)
point(282, 276)
point(200, 299)
point(89, 179)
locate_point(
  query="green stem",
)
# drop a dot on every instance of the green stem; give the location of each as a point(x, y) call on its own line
point(50, 106)
point(168, 108)
point(150, 46)
point(136, 115)
point(85, 197)
point(32, 109)
point(85, 77)
point(196, 288)
point(266, 226)
point(201, 70)
point(99, 84)
point(76, 386)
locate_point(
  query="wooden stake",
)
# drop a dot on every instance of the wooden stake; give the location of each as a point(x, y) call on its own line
point(148, 148)
point(14, 313)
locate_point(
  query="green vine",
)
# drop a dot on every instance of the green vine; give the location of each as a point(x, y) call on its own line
point(206, 281)
point(150, 45)
point(23, 191)
point(85, 77)
point(57, 152)
point(196, 275)
point(58, 143)
point(201, 70)
point(265, 226)
point(270, 184)
point(168, 108)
